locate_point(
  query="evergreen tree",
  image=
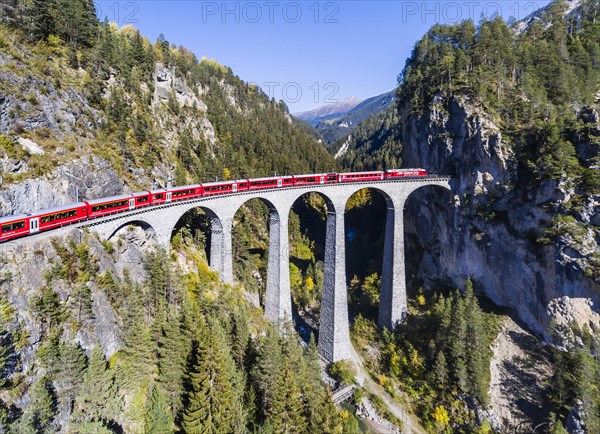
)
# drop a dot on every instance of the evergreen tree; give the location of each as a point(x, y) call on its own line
point(97, 401)
point(70, 374)
point(173, 352)
point(440, 370)
point(267, 368)
point(286, 413)
point(43, 24)
point(43, 406)
point(457, 339)
point(157, 416)
point(211, 399)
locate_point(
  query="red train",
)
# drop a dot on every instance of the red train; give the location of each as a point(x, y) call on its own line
point(16, 226)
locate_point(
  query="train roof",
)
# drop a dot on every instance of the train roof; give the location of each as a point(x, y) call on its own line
point(315, 174)
point(404, 169)
point(270, 178)
point(160, 190)
point(369, 172)
point(231, 181)
point(140, 193)
point(11, 218)
point(58, 209)
point(109, 199)
point(183, 187)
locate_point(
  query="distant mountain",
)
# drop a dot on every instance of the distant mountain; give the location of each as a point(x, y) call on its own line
point(328, 111)
point(335, 128)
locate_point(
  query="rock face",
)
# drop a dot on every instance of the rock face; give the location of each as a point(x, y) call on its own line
point(89, 177)
point(489, 230)
point(168, 85)
point(520, 371)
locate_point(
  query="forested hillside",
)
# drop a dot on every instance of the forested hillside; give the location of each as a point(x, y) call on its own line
point(512, 114)
point(118, 336)
point(88, 94)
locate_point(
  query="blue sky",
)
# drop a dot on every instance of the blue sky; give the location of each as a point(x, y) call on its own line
point(308, 53)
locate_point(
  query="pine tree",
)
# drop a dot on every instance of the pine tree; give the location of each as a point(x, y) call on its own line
point(317, 410)
point(173, 353)
point(43, 405)
point(286, 413)
point(241, 337)
point(70, 374)
point(457, 339)
point(211, 400)
point(42, 18)
point(157, 416)
point(440, 370)
point(97, 400)
point(476, 346)
point(268, 365)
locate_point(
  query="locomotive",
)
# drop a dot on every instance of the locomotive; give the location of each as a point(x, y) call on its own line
point(17, 226)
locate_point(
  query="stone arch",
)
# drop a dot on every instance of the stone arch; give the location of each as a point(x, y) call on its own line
point(319, 229)
point(387, 303)
point(277, 301)
point(215, 243)
point(428, 215)
point(147, 227)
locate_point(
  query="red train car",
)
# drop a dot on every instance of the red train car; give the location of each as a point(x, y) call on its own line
point(223, 187)
point(185, 192)
point(361, 176)
point(318, 178)
point(158, 197)
point(14, 226)
point(142, 199)
point(271, 182)
point(59, 216)
point(400, 173)
point(110, 205)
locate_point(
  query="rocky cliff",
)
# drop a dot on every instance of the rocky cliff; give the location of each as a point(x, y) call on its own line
point(493, 229)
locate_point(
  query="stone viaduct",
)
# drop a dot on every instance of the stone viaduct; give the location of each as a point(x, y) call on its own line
point(334, 335)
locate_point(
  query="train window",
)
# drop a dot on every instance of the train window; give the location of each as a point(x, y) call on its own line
point(182, 193)
point(13, 226)
point(159, 196)
point(59, 216)
point(110, 205)
point(143, 199)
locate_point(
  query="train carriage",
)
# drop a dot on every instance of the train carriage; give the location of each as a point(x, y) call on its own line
point(58, 216)
point(14, 226)
point(158, 197)
point(402, 173)
point(271, 182)
point(184, 192)
point(142, 199)
point(223, 187)
point(361, 176)
point(110, 205)
point(24, 224)
point(315, 179)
